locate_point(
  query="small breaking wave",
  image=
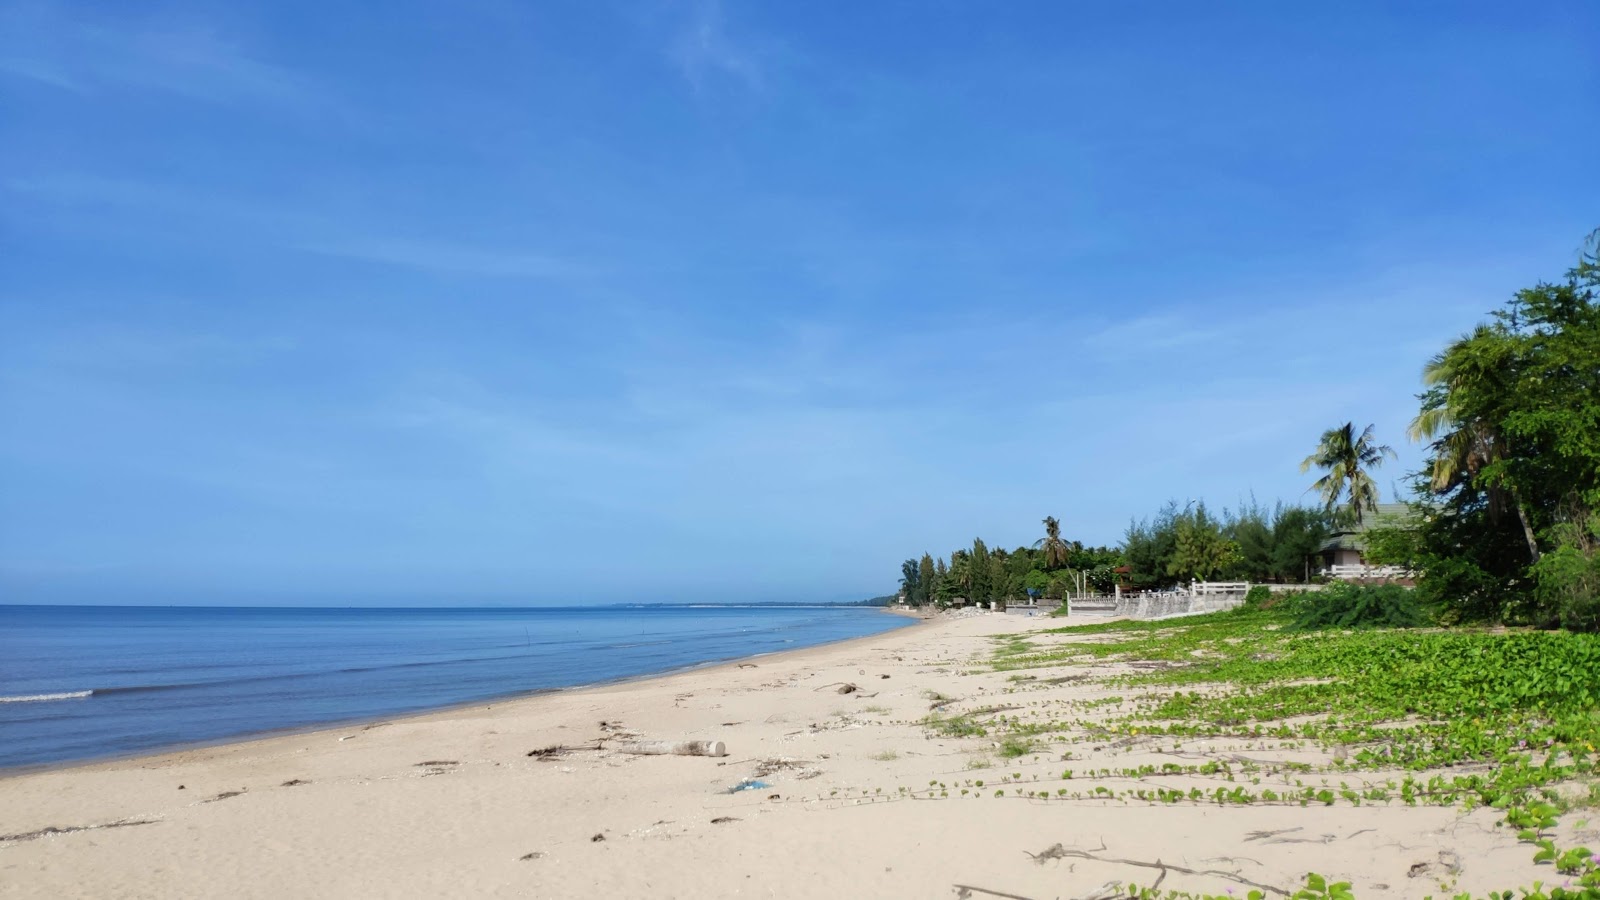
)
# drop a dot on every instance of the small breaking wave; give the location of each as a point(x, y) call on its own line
point(39, 698)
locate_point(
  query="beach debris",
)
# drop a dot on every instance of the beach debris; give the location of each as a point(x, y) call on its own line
point(556, 751)
point(1054, 851)
point(438, 762)
point(748, 666)
point(1447, 861)
point(964, 892)
point(749, 784)
point(598, 837)
point(616, 730)
point(182, 788)
point(777, 764)
point(294, 782)
point(1277, 837)
point(723, 820)
point(675, 748)
point(801, 769)
point(1264, 835)
point(883, 676)
point(223, 796)
point(1057, 851)
point(537, 854)
point(848, 689)
point(70, 829)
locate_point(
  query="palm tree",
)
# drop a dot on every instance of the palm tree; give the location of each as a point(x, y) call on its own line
point(1347, 459)
point(1465, 444)
point(1055, 549)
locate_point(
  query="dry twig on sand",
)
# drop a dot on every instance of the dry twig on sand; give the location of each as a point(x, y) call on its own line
point(555, 751)
point(964, 892)
point(1057, 851)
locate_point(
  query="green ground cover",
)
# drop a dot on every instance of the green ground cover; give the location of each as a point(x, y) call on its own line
point(1458, 717)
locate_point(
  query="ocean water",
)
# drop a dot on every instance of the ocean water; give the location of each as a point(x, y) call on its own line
point(77, 683)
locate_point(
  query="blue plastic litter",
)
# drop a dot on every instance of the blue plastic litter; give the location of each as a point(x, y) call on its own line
point(749, 784)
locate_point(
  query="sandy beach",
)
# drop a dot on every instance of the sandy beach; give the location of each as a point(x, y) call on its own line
point(860, 800)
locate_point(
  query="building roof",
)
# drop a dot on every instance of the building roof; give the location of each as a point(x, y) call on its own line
point(1388, 515)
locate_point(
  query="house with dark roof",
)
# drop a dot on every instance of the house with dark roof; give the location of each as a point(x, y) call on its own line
point(1343, 554)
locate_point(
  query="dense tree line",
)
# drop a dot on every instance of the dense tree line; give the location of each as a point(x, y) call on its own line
point(1253, 544)
point(1175, 546)
point(1052, 567)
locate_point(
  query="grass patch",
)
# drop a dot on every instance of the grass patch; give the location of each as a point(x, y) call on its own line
point(954, 726)
point(885, 756)
point(1013, 747)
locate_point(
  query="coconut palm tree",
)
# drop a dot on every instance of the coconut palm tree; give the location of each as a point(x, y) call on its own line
point(1465, 443)
point(1346, 459)
point(1055, 549)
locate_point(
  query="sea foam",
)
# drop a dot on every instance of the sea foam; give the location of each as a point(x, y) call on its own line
point(36, 698)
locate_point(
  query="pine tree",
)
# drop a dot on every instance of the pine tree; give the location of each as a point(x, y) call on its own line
point(943, 589)
point(909, 570)
point(980, 588)
point(925, 581)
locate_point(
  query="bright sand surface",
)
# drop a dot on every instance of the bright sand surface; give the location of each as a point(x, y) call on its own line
point(451, 804)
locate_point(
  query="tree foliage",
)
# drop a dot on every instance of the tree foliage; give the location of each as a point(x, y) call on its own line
point(1347, 461)
point(1511, 417)
point(993, 575)
point(1252, 544)
point(1054, 548)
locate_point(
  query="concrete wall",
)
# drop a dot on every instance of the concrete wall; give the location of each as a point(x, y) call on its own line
point(1160, 606)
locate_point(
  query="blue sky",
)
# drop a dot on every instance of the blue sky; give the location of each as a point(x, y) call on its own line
point(494, 301)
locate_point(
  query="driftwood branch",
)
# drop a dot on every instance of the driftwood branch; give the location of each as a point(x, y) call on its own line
point(964, 892)
point(1057, 851)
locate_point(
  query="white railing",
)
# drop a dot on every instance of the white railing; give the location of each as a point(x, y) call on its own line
point(1202, 588)
point(1364, 571)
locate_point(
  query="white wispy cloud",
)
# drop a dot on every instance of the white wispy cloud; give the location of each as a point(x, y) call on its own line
point(189, 212)
point(451, 258)
point(50, 44)
point(703, 50)
point(113, 347)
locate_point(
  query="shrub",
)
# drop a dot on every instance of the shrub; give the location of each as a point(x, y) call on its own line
point(1569, 576)
point(1258, 597)
point(1362, 606)
point(1261, 599)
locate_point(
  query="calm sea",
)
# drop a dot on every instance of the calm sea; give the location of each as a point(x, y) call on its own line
point(83, 682)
